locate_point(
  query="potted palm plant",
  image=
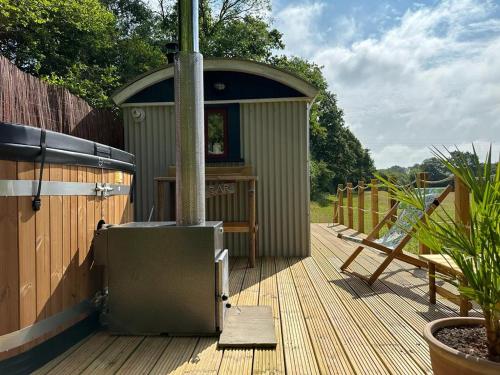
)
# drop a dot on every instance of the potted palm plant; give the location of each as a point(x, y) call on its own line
point(465, 345)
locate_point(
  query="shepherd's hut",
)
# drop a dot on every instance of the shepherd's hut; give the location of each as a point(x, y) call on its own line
point(256, 129)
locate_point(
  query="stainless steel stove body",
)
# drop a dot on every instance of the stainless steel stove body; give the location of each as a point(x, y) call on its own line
point(163, 278)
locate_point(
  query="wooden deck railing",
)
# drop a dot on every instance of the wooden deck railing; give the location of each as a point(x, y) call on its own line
point(344, 209)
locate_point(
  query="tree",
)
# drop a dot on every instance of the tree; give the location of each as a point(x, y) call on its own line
point(140, 45)
point(45, 37)
point(434, 168)
point(89, 82)
point(228, 28)
point(249, 38)
point(465, 157)
point(134, 17)
point(397, 174)
point(80, 44)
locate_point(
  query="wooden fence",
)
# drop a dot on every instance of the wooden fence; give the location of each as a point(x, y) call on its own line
point(343, 208)
point(26, 100)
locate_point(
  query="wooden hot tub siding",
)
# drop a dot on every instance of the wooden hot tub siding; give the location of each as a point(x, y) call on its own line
point(45, 259)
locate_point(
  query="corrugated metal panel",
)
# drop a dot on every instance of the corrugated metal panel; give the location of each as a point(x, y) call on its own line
point(153, 142)
point(274, 141)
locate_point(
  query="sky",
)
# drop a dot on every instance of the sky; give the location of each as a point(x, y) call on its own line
point(408, 75)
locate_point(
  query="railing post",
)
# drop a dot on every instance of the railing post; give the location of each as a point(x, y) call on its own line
point(340, 195)
point(391, 200)
point(160, 200)
point(422, 183)
point(462, 204)
point(422, 179)
point(361, 206)
point(374, 201)
point(462, 217)
point(350, 220)
point(335, 212)
point(252, 236)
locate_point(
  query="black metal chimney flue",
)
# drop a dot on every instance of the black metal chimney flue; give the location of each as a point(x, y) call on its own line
point(190, 136)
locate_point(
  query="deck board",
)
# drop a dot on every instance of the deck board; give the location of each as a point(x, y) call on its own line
point(325, 340)
point(239, 361)
point(47, 368)
point(114, 356)
point(205, 359)
point(299, 353)
point(326, 321)
point(362, 355)
point(84, 355)
point(145, 356)
point(176, 356)
point(267, 361)
point(391, 348)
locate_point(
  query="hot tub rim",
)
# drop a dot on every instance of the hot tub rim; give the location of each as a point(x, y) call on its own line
point(23, 143)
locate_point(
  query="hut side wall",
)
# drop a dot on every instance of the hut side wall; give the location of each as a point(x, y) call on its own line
point(274, 141)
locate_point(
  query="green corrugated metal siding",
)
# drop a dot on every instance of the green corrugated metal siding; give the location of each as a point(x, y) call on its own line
point(274, 141)
point(153, 142)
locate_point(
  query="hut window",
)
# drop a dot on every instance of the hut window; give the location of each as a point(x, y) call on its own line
point(222, 133)
point(216, 133)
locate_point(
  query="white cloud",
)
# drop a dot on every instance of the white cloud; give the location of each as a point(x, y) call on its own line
point(431, 79)
point(349, 29)
point(301, 31)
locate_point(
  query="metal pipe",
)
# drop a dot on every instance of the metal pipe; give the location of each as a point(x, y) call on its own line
point(189, 118)
point(188, 26)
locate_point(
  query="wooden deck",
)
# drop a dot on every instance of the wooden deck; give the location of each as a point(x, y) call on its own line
point(326, 322)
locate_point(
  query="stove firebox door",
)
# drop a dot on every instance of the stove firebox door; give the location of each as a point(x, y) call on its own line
point(221, 287)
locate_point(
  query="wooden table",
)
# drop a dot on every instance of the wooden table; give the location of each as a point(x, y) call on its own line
point(446, 266)
point(249, 226)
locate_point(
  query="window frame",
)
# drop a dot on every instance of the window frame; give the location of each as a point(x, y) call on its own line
point(223, 111)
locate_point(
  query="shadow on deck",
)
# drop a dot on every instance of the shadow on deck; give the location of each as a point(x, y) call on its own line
point(326, 322)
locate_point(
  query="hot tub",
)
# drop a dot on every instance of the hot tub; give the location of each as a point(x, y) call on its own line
point(54, 191)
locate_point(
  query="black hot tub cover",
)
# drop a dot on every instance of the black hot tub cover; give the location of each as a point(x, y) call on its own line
point(23, 143)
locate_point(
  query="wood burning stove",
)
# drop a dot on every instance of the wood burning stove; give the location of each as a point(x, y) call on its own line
point(163, 279)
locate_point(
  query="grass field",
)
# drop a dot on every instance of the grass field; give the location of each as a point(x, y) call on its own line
point(322, 211)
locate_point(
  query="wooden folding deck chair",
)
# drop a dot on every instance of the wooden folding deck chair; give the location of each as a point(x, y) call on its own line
point(398, 235)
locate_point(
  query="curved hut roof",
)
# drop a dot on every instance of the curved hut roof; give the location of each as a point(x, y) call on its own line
point(267, 81)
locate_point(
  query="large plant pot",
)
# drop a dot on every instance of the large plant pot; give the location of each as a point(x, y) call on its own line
point(446, 360)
